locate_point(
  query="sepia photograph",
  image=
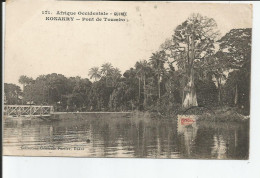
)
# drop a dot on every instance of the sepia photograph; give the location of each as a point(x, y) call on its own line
point(127, 80)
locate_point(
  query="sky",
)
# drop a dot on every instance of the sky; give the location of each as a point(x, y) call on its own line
point(34, 46)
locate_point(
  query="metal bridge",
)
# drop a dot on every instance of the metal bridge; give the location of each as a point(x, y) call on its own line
point(27, 110)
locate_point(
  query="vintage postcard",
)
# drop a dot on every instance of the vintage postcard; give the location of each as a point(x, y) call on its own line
point(127, 79)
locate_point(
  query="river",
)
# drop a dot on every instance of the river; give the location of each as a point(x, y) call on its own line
point(131, 137)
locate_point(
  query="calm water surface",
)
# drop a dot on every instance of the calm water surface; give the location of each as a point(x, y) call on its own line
point(131, 137)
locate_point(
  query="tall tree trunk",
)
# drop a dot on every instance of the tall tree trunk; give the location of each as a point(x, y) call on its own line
point(190, 97)
point(219, 92)
point(23, 94)
point(219, 96)
point(17, 98)
point(236, 96)
point(139, 89)
point(145, 97)
point(159, 87)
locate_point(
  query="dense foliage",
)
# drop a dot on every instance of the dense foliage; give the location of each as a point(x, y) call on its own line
point(195, 67)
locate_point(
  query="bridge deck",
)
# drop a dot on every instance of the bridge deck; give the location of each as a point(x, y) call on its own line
point(27, 110)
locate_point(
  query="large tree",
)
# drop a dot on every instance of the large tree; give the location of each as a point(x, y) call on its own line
point(46, 89)
point(12, 93)
point(24, 80)
point(215, 69)
point(80, 93)
point(235, 48)
point(132, 90)
point(192, 42)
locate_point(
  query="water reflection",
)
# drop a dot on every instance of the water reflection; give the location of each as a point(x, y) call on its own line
point(131, 137)
point(188, 133)
point(219, 148)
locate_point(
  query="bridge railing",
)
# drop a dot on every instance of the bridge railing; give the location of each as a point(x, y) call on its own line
point(27, 110)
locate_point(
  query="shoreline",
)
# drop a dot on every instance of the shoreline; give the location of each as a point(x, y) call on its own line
point(145, 115)
point(89, 112)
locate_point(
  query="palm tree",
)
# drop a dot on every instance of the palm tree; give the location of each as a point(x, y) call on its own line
point(138, 74)
point(94, 73)
point(143, 70)
point(157, 62)
point(116, 74)
point(107, 70)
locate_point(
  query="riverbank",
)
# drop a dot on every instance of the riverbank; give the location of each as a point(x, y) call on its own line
point(224, 116)
point(218, 114)
point(83, 115)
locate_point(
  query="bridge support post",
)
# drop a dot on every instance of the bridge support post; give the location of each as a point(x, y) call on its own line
point(30, 111)
point(51, 110)
point(40, 110)
point(7, 110)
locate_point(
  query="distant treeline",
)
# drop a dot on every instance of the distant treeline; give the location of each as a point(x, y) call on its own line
point(195, 67)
